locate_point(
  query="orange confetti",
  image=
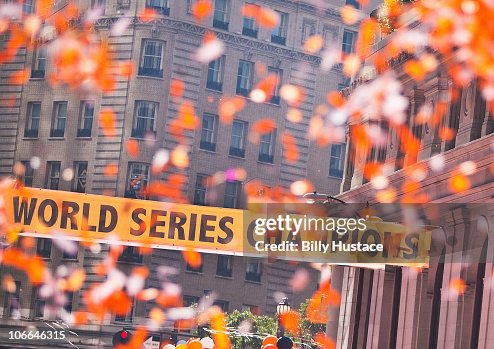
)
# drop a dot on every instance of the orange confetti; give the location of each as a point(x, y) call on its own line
point(291, 321)
point(228, 107)
point(133, 148)
point(177, 88)
point(313, 44)
point(290, 148)
point(415, 70)
point(349, 14)
point(264, 126)
point(126, 69)
point(148, 14)
point(458, 286)
point(20, 77)
point(268, 18)
point(201, 9)
point(335, 99)
point(459, 183)
point(193, 258)
point(111, 170)
point(107, 120)
point(75, 280)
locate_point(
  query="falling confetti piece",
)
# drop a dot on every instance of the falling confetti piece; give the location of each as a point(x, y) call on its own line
point(201, 9)
point(313, 44)
point(107, 120)
point(193, 258)
point(299, 188)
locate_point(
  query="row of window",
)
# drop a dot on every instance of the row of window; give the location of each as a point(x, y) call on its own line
point(209, 134)
point(224, 268)
point(59, 119)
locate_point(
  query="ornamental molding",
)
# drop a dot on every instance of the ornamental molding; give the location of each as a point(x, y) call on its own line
point(227, 37)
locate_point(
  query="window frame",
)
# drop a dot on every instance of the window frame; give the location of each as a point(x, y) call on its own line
point(224, 266)
point(253, 276)
point(44, 247)
point(337, 171)
point(240, 150)
point(57, 119)
point(271, 144)
point(351, 45)
point(275, 98)
point(209, 135)
point(279, 34)
point(75, 181)
point(200, 189)
point(50, 176)
point(29, 131)
point(251, 29)
point(221, 22)
point(141, 132)
point(28, 173)
point(82, 130)
point(163, 8)
point(151, 71)
point(145, 172)
point(235, 196)
point(215, 75)
point(39, 55)
point(244, 79)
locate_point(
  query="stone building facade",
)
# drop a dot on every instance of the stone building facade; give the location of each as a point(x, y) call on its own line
point(400, 307)
point(60, 128)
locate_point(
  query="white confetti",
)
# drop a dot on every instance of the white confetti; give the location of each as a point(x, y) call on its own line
point(209, 51)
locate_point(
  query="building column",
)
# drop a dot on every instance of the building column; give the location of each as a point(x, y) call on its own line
point(337, 273)
point(417, 99)
point(349, 164)
point(471, 116)
point(435, 94)
point(452, 306)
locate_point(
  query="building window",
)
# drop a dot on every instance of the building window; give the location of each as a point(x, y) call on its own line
point(145, 119)
point(68, 301)
point(354, 3)
point(39, 63)
point(232, 193)
point(220, 14)
point(70, 256)
point(137, 179)
point(43, 248)
point(215, 74)
point(308, 29)
point(222, 304)
point(249, 27)
point(32, 120)
point(266, 147)
point(27, 178)
point(278, 36)
point(152, 58)
point(275, 98)
point(348, 44)
point(80, 177)
point(99, 4)
point(237, 144)
point(39, 304)
point(244, 78)
point(86, 119)
point(200, 189)
point(53, 175)
point(127, 317)
point(208, 132)
point(160, 6)
point(337, 160)
point(195, 270)
point(253, 270)
point(59, 119)
point(130, 254)
point(190, 300)
point(28, 6)
point(190, 3)
point(224, 267)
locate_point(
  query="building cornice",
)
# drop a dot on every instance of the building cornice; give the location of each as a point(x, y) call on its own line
point(226, 37)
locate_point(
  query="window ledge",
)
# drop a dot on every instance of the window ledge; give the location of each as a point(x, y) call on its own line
point(213, 90)
point(84, 138)
point(236, 157)
point(194, 272)
point(144, 139)
point(224, 277)
point(37, 79)
point(265, 163)
point(30, 138)
point(70, 259)
point(56, 138)
point(150, 77)
point(334, 177)
point(253, 282)
point(208, 151)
